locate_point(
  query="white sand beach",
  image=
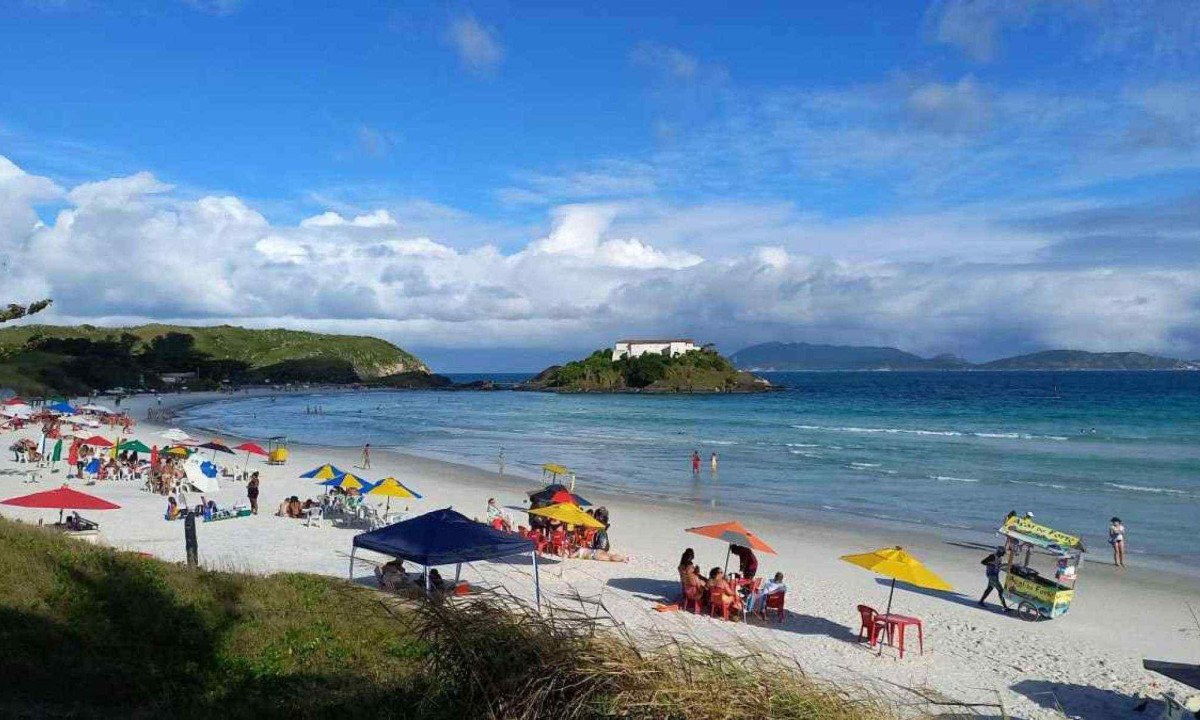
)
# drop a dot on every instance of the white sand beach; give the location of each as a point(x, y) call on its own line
point(1088, 663)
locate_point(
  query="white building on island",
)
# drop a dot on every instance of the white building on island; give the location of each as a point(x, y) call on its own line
point(635, 348)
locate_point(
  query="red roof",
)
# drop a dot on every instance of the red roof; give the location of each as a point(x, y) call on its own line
point(63, 498)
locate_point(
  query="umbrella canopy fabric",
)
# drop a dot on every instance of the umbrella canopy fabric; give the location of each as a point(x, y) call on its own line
point(392, 488)
point(251, 448)
point(898, 564)
point(443, 537)
point(177, 451)
point(98, 441)
point(96, 409)
point(14, 400)
point(56, 455)
point(547, 495)
point(347, 481)
point(1186, 673)
point(64, 498)
point(555, 469)
point(63, 407)
point(734, 533)
point(216, 445)
point(133, 446)
point(568, 513)
point(322, 472)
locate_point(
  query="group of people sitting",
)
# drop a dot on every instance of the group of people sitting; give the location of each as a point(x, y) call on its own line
point(207, 509)
point(556, 538)
point(293, 507)
point(24, 451)
point(737, 593)
point(392, 576)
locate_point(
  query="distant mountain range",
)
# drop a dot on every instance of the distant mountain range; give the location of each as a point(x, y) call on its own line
point(782, 357)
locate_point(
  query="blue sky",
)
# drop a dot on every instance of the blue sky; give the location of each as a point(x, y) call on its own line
point(945, 176)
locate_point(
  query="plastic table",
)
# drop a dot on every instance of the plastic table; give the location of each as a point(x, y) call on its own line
point(896, 622)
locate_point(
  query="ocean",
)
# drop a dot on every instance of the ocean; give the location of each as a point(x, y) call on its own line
point(948, 451)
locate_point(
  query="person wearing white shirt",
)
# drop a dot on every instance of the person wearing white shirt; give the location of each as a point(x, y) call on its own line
point(772, 586)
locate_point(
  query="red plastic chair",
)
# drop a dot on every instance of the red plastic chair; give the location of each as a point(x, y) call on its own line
point(718, 600)
point(871, 624)
point(539, 541)
point(558, 542)
point(693, 595)
point(775, 601)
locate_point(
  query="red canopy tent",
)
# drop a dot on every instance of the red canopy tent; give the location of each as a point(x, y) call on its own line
point(98, 441)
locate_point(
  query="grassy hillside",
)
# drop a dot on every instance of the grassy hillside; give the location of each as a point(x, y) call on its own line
point(47, 358)
point(89, 632)
point(695, 371)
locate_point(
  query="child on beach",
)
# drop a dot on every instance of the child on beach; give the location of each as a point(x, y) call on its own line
point(1116, 538)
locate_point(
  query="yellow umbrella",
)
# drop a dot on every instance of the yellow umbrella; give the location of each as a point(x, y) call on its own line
point(897, 564)
point(568, 513)
point(555, 469)
point(390, 488)
point(346, 481)
point(177, 451)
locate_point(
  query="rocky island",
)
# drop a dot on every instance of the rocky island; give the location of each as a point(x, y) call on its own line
point(649, 366)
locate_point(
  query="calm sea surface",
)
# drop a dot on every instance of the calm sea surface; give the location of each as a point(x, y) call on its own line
point(949, 450)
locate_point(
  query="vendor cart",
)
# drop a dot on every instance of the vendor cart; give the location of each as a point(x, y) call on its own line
point(1048, 592)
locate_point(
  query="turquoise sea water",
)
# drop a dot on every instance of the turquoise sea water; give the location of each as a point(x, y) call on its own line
point(950, 450)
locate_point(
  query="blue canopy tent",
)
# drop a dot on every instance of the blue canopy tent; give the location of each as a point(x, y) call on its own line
point(63, 407)
point(446, 537)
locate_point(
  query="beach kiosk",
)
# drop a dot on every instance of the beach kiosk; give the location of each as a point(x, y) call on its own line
point(1040, 593)
point(277, 452)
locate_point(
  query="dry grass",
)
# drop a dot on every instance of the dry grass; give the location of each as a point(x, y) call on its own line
point(89, 632)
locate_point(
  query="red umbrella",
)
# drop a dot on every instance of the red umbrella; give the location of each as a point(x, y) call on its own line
point(252, 449)
point(61, 499)
point(98, 441)
point(14, 400)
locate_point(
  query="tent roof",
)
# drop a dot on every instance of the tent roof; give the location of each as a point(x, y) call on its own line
point(1186, 673)
point(442, 537)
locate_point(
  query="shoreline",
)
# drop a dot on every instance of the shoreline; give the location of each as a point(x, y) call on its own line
point(828, 518)
point(1087, 661)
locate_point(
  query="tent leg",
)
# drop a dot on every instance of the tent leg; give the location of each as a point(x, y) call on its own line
point(537, 581)
point(457, 572)
point(352, 549)
point(427, 585)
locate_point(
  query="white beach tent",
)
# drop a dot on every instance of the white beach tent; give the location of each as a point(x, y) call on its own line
point(197, 479)
point(96, 409)
point(176, 435)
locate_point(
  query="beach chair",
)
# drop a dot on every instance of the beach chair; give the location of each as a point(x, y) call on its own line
point(871, 624)
point(693, 596)
point(717, 601)
point(559, 545)
point(774, 601)
point(314, 516)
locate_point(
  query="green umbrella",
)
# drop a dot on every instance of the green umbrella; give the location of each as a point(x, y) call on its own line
point(57, 454)
point(133, 446)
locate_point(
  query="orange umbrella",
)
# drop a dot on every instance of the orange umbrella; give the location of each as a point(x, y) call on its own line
point(734, 533)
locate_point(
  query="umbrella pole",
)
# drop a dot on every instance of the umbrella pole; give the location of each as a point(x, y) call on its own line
point(727, 559)
point(537, 580)
point(890, 593)
point(457, 573)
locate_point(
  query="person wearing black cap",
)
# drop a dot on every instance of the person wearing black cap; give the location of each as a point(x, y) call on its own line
point(992, 564)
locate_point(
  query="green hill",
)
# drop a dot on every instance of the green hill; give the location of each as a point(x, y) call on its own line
point(48, 358)
point(1081, 360)
point(695, 371)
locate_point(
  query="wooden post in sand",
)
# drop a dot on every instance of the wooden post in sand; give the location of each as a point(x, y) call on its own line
point(189, 539)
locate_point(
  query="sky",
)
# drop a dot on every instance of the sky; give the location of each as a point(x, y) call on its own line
point(500, 185)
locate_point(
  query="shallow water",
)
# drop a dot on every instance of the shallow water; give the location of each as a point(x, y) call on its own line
point(950, 450)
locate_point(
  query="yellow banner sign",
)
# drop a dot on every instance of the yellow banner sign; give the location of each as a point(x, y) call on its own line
point(1033, 590)
point(1025, 526)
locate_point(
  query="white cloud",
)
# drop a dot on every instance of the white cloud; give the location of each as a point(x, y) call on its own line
point(476, 44)
point(216, 7)
point(132, 249)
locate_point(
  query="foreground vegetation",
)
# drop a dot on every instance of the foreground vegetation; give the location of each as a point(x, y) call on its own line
point(90, 632)
point(696, 371)
point(46, 359)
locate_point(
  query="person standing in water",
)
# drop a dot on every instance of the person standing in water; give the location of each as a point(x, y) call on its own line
point(366, 457)
point(713, 462)
point(500, 460)
point(695, 462)
point(1116, 538)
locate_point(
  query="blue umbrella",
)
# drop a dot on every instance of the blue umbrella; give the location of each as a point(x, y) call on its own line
point(63, 407)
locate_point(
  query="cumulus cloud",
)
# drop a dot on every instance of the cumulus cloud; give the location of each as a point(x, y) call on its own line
point(131, 248)
point(476, 44)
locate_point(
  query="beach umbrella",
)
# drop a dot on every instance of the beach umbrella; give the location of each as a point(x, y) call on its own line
point(98, 441)
point(63, 408)
point(568, 513)
point(347, 481)
point(322, 472)
point(64, 498)
point(93, 408)
point(177, 451)
point(896, 563)
point(216, 446)
point(133, 446)
point(390, 487)
point(56, 455)
point(175, 435)
point(250, 449)
point(555, 493)
point(734, 533)
point(14, 400)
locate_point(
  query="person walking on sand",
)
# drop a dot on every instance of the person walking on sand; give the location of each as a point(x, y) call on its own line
point(991, 564)
point(366, 458)
point(1116, 538)
point(252, 492)
point(713, 463)
point(695, 462)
